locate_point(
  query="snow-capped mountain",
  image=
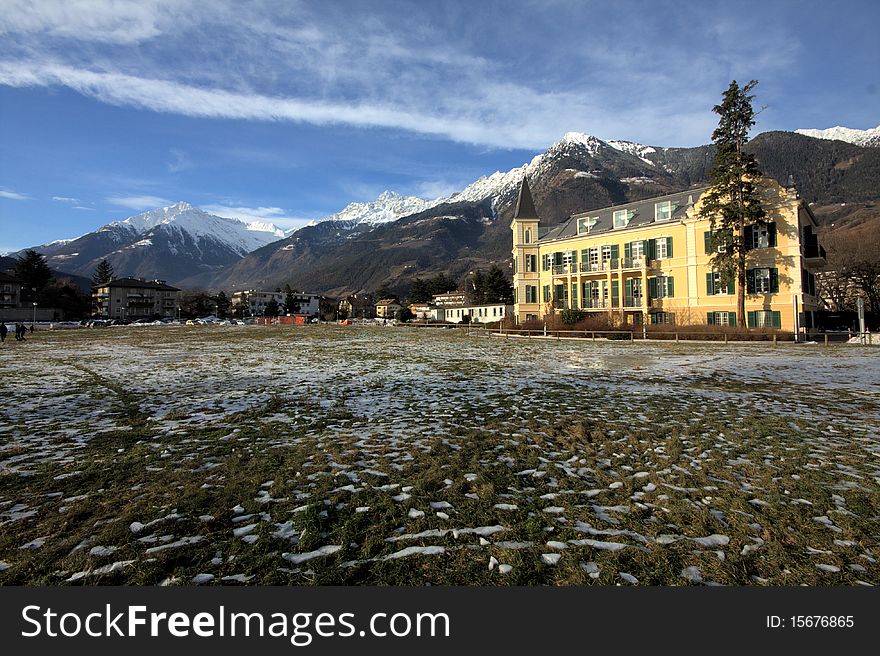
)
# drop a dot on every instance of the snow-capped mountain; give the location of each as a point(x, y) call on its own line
point(170, 243)
point(867, 138)
point(389, 206)
point(199, 225)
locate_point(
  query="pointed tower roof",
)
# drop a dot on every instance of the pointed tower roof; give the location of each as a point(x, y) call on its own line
point(525, 206)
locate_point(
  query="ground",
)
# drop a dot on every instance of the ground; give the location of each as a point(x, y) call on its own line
point(348, 455)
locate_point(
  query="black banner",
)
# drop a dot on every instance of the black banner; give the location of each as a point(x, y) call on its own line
point(434, 620)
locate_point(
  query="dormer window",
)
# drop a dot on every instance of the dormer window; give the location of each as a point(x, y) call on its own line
point(621, 218)
point(585, 224)
point(663, 211)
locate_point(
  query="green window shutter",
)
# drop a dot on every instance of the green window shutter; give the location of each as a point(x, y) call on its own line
point(749, 237)
point(514, 265)
point(574, 294)
point(585, 255)
point(710, 318)
point(615, 293)
point(710, 284)
point(650, 247)
point(707, 238)
point(557, 258)
point(670, 287)
point(750, 281)
point(628, 293)
point(627, 250)
point(774, 281)
point(615, 252)
point(776, 318)
point(752, 318)
point(652, 288)
point(771, 234)
point(546, 293)
point(731, 319)
point(731, 286)
point(669, 247)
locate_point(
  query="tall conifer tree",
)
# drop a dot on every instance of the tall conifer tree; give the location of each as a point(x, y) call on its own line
point(734, 201)
point(103, 274)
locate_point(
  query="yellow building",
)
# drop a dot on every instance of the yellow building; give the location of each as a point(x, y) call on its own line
point(649, 261)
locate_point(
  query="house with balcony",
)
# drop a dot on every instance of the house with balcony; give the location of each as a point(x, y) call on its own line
point(649, 261)
point(133, 298)
point(357, 306)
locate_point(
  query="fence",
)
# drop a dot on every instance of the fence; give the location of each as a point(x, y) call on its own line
point(641, 335)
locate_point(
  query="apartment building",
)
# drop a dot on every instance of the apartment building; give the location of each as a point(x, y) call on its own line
point(10, 291)
point(649, 261)
point(133, 298)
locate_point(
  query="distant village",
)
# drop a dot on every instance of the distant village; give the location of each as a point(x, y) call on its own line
point(25, 297)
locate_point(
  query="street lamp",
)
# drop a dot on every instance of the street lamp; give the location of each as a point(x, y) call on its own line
point(35, 317)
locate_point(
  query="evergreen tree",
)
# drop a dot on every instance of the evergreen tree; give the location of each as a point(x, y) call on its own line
point(33, 272)
point(477, 289)
point(404, 315)
point(291, 306)
point(441, 283)
point(103, 274)
point(498, 288)
point(733, 202)
point(271, 309)
point(420, 292)
point(223, 303)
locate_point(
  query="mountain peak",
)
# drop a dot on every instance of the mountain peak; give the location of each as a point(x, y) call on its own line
point(867, 138)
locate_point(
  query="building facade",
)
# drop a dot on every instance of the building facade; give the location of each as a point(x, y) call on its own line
point(490, 313)
point(649, 262)
point(357, 306)
point(10, 291)
point(387, 308)
point(132, 298)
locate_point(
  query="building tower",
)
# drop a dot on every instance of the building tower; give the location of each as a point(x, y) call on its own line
point(525, 253)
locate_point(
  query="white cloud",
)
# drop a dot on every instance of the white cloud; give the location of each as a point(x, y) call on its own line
point(274, 215)
point(139, 202)
point(65, 199)
point(180, 161)
point(13, 195)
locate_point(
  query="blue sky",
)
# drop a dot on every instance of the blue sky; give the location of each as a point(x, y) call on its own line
point(287, 111)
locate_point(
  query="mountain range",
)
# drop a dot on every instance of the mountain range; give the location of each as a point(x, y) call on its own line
point(395, 238)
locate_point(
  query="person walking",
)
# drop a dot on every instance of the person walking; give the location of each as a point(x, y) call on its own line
point(3, 331)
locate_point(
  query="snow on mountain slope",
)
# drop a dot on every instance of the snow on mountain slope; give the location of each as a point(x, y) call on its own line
point(639, 150)
point(185, 218)
point(867, 138)
point(389, 206)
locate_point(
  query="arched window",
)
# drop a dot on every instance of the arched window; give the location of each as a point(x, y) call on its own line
point(528, 237)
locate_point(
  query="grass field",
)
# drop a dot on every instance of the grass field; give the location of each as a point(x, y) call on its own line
point(330, 455)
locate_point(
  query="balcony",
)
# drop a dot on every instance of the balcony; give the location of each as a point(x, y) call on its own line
point(594, 304)
point(632, 302)
point(565, 269)
point(814, 254)
point(633, 262)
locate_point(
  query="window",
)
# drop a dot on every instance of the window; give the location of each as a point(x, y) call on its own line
point(594, 259)
point(531, 293)
point(764, 319)
point(663, 211)
point(546, 296)
point(606, 254)
point(528, 236)
point(761, 236)
point(662, 248)
point(715, 286)
point(762, 281)
point(621, 218)
point(545, 262)
point(661, 287)
point(712, 243)
point(721, 318)
point(637, 249)
point(531, 263)
point(585, 224)
point(663, 318)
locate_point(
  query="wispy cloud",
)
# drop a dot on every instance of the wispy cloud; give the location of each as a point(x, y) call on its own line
point(180, 161)
point(13, 195)
point(419, 73)
point(65, 199)
point(275, 215)
point(139, 202)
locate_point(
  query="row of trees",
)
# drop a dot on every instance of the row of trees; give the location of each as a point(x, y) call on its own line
point(39, 285)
